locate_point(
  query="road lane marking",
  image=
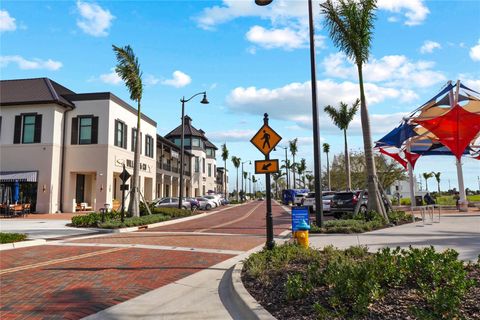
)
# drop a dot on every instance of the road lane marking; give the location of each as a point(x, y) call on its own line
point(231, 222)
point(46, 263)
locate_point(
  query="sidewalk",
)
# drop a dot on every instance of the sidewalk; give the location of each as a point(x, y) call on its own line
point(459, 231)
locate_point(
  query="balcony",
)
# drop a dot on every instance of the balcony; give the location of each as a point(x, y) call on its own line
point(167, 167)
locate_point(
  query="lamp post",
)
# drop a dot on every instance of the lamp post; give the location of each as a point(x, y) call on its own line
point(243, 190)
point(286, 168)
point(316, 125)
point(182, 169)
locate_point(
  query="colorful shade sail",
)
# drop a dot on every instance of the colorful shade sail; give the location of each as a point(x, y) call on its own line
point(412, 158)
point(395, 156)
point(397, 136)
point(454, 129)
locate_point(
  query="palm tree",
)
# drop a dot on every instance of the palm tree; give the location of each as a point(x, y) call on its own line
point(342, 118)
point(236, 163)
point(326, 150)
point(276, 179)
point(350, 24)
point(254, 181)
point(437, 177)
point(225, 158)
point(426, 176)
point(245, 177)
point(128, 69)
point(310, 178)
point(301, 168)
point(293, 150)
point(287, 166)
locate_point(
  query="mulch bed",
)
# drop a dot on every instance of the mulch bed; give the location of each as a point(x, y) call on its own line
point(396, 304)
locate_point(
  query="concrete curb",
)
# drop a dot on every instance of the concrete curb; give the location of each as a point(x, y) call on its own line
point(22, 244)
point(249, 305)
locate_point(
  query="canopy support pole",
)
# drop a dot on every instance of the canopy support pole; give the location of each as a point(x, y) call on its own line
point(411, 178)
point(463, 203)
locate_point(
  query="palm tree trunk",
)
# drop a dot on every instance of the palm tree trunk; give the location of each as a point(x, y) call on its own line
point(438, 184)
point(237, 184)
point(328, 173)
point(347, 161)
point(225, 180)
point(134, 205)
point(426, 184)
point(293, 169)
point(373, 200)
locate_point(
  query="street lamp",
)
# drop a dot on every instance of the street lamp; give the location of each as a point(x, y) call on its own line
point(316, 125)
point(182, 169)
point(286, 168)
point(249, 162)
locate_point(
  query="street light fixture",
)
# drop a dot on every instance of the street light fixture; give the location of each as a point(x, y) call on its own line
point(182, 167)
point(316, 125)
point(249, 162)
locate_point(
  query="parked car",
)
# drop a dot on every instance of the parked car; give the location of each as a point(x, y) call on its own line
point(345, 202)
point(205, 204)
point(173, 203)
point(193, 203)
point(225, 201)
point(214, 199)
point(288, 196)
point(299, 197)
point(309, 201)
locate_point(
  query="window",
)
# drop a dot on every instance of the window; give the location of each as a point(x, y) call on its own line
point(120, 134)
point(209, 169)
point(134, 140)
point(84, 130)
point(195, 142)
point(28, 128)
point(197, 164)
point(210, 152)
point(203, 165)
point(149, 146)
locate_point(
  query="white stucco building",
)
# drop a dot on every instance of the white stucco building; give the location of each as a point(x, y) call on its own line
point(67, 149)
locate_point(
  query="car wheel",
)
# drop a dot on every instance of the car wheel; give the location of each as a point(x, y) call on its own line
point(363, 210)
point(208, 207)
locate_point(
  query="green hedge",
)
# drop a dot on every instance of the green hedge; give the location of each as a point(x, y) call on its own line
point(134, 221)
point(6, 237)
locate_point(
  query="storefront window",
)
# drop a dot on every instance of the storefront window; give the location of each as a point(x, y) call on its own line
point(86, 130)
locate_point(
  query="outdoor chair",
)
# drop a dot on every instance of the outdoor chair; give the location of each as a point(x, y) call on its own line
point(26, 209)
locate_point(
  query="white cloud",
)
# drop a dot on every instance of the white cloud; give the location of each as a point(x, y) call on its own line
point(475, 52)
point(237, 135)
point(7, 23)
point(151, 80)
point(179, 80)
point(94, 19)
point(428, 46)
point(35, 63)
point(285, 38)
point(292, 102)
point(394, 70)
point(414, 11)
point(111, 78)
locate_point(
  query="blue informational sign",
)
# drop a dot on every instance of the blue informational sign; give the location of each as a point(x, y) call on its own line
point(299, 214)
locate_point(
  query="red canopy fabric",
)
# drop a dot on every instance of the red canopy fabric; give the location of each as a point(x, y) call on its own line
point(455, 129)
point(395, 156)
point(411, 158)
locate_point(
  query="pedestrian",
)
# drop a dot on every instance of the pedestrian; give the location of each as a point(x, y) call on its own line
point(457, 200)
point(428, 199)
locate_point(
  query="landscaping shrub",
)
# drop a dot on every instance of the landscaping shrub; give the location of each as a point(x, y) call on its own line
point(347, 226)
point(399, 217)
point(351, 281)
point(6, 237)
point(173, 212)
point(134, 221)
point(93, 219)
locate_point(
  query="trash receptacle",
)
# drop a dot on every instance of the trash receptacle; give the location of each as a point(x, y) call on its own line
point(418, 201)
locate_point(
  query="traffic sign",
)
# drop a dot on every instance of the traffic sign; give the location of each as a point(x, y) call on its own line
point(124, 176)
point(265, 139)
point(124, 187)
point(299, 214)
point(266, 166)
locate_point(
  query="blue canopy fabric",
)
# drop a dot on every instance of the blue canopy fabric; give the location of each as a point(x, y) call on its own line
point(427, 147)
point(397, 136)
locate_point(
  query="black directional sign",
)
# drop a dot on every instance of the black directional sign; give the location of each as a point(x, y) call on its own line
point(124, 176)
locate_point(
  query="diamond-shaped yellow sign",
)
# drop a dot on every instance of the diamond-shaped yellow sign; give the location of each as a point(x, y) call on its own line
point(265, 139)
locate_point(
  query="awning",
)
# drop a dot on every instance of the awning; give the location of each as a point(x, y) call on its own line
point(20, 176)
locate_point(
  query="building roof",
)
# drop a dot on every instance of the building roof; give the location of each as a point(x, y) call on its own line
point(33, 91)
point(161, 139)
point(191, 131)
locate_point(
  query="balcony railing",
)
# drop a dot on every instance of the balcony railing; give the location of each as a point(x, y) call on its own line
point(167, 167)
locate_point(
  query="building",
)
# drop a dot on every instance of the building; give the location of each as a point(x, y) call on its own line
point(204, 166)
point(168, 169)
point(66, 150)
point(222, 181)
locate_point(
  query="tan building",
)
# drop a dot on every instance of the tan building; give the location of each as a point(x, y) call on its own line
point(66, 150)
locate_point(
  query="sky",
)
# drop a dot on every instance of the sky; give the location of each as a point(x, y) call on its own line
point(251, 60)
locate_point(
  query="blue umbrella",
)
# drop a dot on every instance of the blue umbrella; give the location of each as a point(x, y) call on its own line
point(16, 191)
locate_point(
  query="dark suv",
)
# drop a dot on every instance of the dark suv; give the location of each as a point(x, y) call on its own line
point(345, 202)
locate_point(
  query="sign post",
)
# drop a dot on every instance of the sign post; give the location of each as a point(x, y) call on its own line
point(265, 140)
point(124, 176)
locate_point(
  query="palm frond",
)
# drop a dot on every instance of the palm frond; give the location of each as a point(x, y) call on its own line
point(128, 68)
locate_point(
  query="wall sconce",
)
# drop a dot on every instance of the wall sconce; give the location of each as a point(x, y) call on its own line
point(44, 188)
point(101, 187)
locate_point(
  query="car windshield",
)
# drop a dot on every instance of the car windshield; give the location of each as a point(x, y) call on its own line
point(329, 197)
point(311, 195)
point(344, 196)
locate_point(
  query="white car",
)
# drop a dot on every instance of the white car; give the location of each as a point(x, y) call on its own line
point(309, 201)
point(214, 199)
point(299, 198)
point(205, 204)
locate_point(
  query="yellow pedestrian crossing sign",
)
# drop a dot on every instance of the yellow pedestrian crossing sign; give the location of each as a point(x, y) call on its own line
point(266, 139)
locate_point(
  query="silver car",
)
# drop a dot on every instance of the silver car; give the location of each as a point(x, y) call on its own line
point(172, 203)
point(205, 204)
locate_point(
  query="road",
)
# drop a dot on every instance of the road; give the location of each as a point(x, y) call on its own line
point(74, 278)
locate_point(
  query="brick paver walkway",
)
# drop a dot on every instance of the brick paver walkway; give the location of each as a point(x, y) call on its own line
point(74, 278)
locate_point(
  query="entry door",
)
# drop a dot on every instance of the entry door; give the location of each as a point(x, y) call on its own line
point(80, 190)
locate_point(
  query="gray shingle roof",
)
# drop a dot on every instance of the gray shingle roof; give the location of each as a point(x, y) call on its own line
point(33, 91)
point(190, 131)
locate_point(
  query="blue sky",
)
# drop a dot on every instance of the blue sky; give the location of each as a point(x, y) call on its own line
point(250, 60)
